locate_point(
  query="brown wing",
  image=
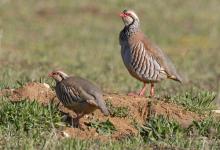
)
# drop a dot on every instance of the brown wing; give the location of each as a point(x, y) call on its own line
point(157, 57)
point(87, 91)
point(71, 94)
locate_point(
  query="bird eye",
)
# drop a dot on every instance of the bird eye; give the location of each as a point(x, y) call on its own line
point(127, 14)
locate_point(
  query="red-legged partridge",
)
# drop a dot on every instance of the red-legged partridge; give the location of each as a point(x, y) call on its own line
point(78, 95)
point(143, 59)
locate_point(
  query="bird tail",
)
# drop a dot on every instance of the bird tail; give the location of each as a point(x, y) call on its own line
point(102, 106)
point(177, 78)
point(104, 110)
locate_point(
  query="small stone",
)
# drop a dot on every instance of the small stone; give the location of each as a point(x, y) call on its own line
point(65, 134)
point(216, 111)
point(46, 85)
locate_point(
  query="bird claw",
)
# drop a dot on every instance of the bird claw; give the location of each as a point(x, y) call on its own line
point(135, 94)
point(132, 93)
point(75, 123)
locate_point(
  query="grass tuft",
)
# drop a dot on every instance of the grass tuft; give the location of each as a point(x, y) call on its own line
point(160, 128)
point(196, 100)
point(117, 111)
point(28, 117)
point(160, 131)
point(209, 127)
point(105, 127)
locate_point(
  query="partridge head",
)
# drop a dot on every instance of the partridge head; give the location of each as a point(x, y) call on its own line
point(58, 76)
point(129, 17)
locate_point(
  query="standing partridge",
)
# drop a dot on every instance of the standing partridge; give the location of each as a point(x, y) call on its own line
point(143, 59)
point(78, 95)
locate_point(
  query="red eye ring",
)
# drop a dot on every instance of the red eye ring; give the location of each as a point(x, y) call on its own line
point(127, 14)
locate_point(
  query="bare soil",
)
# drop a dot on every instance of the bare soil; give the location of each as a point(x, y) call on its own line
point(140, 109)
point(31, 91)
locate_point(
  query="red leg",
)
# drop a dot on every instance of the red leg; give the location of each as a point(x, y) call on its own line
point(75, 121)
point(141, 93)
point(152, 90)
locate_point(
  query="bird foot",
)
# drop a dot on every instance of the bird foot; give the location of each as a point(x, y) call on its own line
point(153, 96)
point(76, 124)
point(150, 96)
point(135, 94)
point(79, 126)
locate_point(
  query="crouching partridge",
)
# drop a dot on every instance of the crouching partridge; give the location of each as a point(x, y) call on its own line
point(143, 59)
point(78, 95)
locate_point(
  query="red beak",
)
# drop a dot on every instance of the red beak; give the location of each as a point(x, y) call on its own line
point(122, 15)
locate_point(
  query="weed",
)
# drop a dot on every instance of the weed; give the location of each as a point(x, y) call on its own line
point(159, 128)
point(105, 127)
point(195, 100)
point(164, 132)
point(28, 116)
point(209, 127)
point(117, 111)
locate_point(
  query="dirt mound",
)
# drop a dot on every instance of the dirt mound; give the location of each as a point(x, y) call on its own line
point(127, 113)
point(137, 106)
point(31, 91)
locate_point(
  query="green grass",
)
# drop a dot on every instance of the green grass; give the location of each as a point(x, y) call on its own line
point(105, 127)
point(194, 99)
point(27, 122)
point(81, 38)
point(30, 125)
point(27, 116)
point(159, 128)
point(117, 111)
point(161, 131)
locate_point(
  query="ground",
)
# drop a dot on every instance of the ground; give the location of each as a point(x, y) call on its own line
point(124, 124)
point(128, 114)
point(81, 38)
